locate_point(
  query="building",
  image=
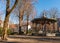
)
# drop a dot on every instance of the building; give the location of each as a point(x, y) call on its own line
point(14, 27)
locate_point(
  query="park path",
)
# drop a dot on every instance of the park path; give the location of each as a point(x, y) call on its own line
point(28, 41)
point(18, 39)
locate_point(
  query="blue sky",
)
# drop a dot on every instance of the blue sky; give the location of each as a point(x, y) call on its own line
point(46, 5)
point(39, 6)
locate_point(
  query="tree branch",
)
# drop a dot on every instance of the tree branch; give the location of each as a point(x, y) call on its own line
point(16, 1)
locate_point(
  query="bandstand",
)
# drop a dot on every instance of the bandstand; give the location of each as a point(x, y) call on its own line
point(44, 25)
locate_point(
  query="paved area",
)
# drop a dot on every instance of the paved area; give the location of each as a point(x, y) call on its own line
point(31, 39)
point(27, 41)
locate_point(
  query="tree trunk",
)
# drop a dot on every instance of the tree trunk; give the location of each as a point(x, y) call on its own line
point(5, 25)
point(21, 12)
point(4, 32)
point(20, 24)
point(27, 25)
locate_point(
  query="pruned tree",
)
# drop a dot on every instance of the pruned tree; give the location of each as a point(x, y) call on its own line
point(6, 20)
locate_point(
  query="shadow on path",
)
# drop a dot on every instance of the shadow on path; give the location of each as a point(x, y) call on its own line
point(8, 42)
point(39, 39)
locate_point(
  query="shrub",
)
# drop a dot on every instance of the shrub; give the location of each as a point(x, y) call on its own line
point(29, 31)
point(0, 30)
point(8, 31)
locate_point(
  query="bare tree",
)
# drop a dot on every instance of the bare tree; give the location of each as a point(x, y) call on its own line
point(44, 13)
point(25, 8)
point(53, 12)
point(5, 25)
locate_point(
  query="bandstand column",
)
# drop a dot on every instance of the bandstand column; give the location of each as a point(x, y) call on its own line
point(41, 26)
point(53, 27)
point(50, 27)
point(56, 28)
point(34, 26)
point(47, 27)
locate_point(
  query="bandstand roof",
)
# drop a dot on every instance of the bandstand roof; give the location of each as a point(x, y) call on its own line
point(43, 19)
